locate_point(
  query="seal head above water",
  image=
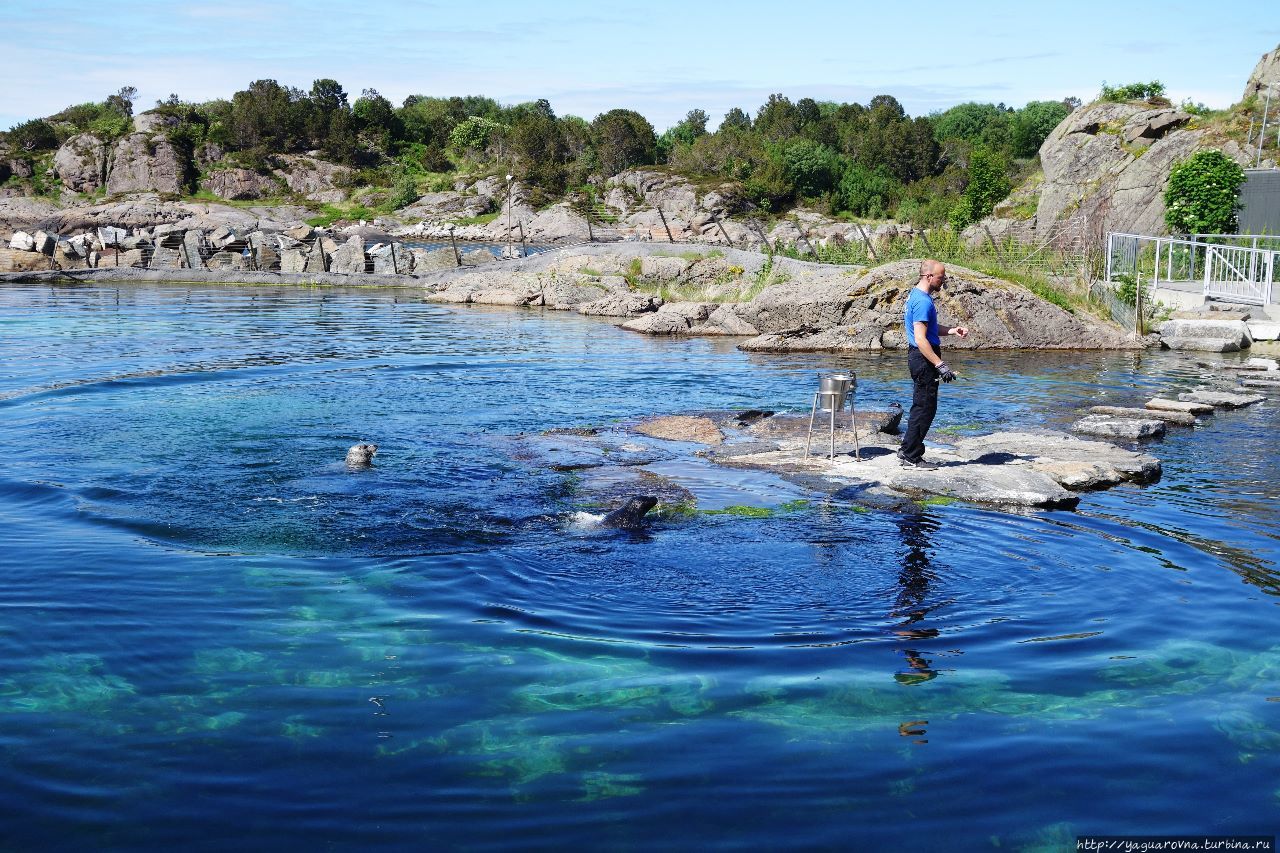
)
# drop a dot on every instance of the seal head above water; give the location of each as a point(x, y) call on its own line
point(361, 455)
point(630, 516)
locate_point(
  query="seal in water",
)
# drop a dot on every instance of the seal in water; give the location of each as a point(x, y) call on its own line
point(630, 516)
point(361, 455)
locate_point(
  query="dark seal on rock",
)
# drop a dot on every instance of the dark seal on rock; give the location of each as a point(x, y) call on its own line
point(630, 516)
point(891, 426)
point(361, 455)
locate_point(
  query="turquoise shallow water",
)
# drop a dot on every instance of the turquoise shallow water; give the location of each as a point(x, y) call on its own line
point(212, 633)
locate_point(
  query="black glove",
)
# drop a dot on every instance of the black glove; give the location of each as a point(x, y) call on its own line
point(945, 373)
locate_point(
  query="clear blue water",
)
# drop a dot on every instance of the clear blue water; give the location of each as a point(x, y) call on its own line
point(213, 634)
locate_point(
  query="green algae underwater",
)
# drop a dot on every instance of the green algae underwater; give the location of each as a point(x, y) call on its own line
point(216, 633)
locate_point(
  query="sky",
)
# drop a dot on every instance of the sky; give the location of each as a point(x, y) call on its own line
point(658, 57)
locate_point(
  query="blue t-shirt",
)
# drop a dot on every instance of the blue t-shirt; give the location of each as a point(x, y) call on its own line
point(920, 309)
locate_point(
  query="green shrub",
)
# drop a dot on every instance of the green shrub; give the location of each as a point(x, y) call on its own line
point(1202, 195)
point(988, 182)
point(1033, 124)
point(1132, 92)
point(34, 135)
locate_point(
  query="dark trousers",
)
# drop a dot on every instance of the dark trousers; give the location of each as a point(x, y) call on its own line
point(924, 404)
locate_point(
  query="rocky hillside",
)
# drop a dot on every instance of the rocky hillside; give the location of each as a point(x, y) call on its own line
point(1106, 166)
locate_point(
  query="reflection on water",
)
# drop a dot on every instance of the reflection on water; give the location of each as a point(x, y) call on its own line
point(913, 605)
point(206, 614)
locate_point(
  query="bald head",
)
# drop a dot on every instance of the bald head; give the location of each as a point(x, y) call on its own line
point(932, 274)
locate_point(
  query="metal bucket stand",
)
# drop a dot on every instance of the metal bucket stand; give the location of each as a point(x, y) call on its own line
point(832, 392)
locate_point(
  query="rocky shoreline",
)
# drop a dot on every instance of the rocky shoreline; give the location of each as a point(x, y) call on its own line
point(775, 304)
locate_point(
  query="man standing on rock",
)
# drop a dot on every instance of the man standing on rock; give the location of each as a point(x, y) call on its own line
point(924, 360)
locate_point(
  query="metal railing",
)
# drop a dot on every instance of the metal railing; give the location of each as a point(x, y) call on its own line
point(1229, 272)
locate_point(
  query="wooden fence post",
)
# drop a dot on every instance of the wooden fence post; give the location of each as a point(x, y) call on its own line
point(999, 254)
point(865, 239)
point(670, 239)
point(457, 257)
point(723, 232)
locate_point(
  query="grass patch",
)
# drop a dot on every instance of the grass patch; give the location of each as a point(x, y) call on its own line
point(331, 213)
point(938, 500)
point(589, 271)
point(684, 509)
point(632, 275)
point(209, 198)
point(743, 511)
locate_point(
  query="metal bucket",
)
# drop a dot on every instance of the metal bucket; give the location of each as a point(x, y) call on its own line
point(835, 388)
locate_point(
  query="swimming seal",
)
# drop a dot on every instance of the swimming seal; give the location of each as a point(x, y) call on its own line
point(361, 455)
point(630, 516)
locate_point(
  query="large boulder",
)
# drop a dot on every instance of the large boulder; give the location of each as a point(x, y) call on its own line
point(391, 258)
point(154, 122)
point(1265, 73)
point(621, 304)
point(317, 180)
point(141, 162)
point(792, 304)
point(556, 224)
point(81, 163)
point(448, 205)
point(429, 260)
point(240, 184)
point(1205, 335)
point(349, 258)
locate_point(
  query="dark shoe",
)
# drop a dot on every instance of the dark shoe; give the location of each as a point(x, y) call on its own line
point(920, 464)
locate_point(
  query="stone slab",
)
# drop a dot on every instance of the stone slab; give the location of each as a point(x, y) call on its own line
point(1130, 429)
point(1221, 399)
point(1264, 331)
point(1261, 384)
point(1231, 330)
point(1178, 418)
point(1166, 405)
point(1075, 463)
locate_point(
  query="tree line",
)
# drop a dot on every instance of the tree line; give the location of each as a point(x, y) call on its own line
point(871, 160)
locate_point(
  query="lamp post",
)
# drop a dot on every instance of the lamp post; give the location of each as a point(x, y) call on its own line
point(510, 251)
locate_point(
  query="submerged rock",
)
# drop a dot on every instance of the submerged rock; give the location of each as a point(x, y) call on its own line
point(696, 430)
